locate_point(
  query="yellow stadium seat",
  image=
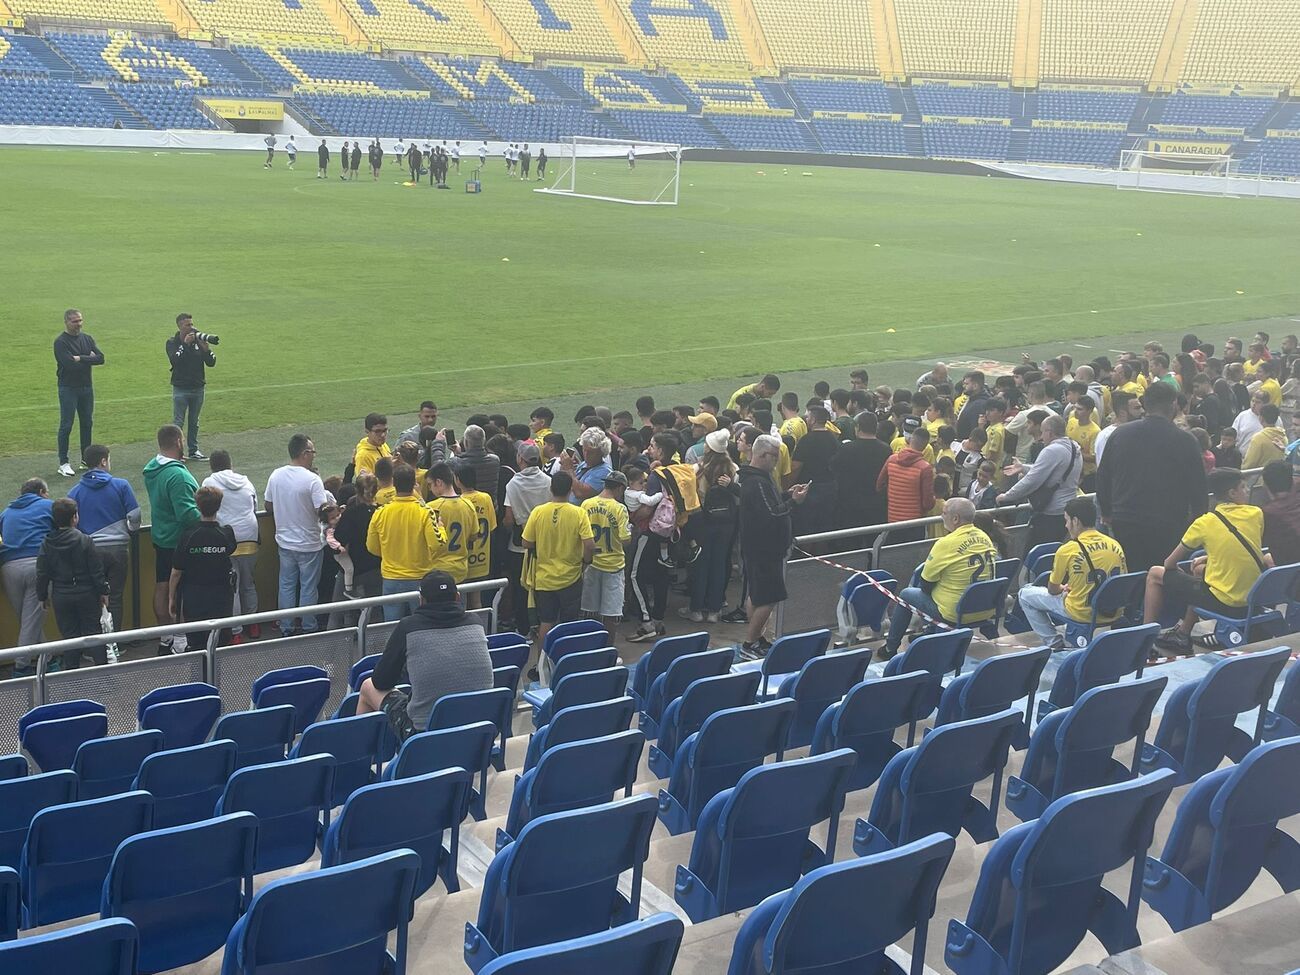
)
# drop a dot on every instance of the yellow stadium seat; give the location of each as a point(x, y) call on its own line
point(436, 25)
point(1245, 42)
point(957, 38)
point(676, 31)
point(264, 17)
point(577, 30)
point(1102, 40)
point(825, 35)
point(103, 13)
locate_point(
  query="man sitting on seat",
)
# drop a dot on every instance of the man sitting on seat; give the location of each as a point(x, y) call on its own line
point(959, 559)
point(1078, 568)
point(1220, 580)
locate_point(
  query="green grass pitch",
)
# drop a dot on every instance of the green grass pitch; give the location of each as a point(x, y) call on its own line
point(333, 299)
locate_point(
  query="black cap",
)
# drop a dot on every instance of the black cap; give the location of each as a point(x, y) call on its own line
point(438, 587)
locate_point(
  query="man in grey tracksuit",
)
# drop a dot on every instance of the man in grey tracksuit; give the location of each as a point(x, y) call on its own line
point(1049, 484)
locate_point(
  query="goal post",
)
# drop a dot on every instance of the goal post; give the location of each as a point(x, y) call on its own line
point(1177, 172)
point(618, 171)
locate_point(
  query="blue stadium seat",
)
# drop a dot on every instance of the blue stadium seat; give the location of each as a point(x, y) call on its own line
point(409, 813)
point(728, 745)
point(975, 101)
point(867, 718)
point(21, 799)
point(471, 707)
point(306, 688)
point(183, 888)
point(97, 948)
point(579, 723)
point(260, 736)
point(935, 654)
point(186, 782)
point(362, 669)
point(672, 683)
point(1087, 105)
point(507, 677)
point(995, 685)
point(11, 901)
point(562, 631)
point(1282, 720)
point(579, 662)
point(291, 801)
point(684, 716)
point(587, 687)
point(664, 651)
point(68, 852)
point(820, 683)
point(184, 713)
point(509, 654)
point(1108, 658)
point(819, 924)
point(646, 947)
point(13, 767)
point(786, 658)
point(1040, 887)
point(331, 921)
point(573, 776)
point(468, 747)
point(1073, 749)
point(536, 892)
point(354, 743)
point(1198, 728)
point(1121, 594)
point(862, 605)
point(965, 141)
point(107, 766)
point(575, 641)
point(1261, 620)
point(52, 733)
point(929, 787)
point(753, 840)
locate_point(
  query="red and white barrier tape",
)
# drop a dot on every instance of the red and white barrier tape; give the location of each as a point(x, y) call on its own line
point(880, 588)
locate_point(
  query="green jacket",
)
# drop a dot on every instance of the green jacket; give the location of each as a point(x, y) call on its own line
point(171, 499)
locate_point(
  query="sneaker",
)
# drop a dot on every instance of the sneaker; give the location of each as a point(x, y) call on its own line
point(712, 617)
point(65, 470)
point(646, 631)
point(754, 651)
point(1174, 641)
point(735, 616)
point(254, 631)
point(694, 615)
point(198, 455)
point(180, 644)
point(165, 646)
point(533, 675)
point(887, 652)
point(1057, 644)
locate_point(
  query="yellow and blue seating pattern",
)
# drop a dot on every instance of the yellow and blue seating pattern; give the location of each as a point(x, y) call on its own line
point(1062, 81)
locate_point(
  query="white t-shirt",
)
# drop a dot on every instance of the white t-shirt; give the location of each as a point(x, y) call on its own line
point(482, 151)
point(296, 495)
point(399, 149)
point(631, 154)
point(1100, 443)
point(290, 148)
point(455, 152)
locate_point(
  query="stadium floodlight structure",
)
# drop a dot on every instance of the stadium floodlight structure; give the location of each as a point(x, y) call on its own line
point(601, 169)
point(1159, 171)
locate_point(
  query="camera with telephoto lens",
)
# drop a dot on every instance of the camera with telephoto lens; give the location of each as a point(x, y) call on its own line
point(207, 337)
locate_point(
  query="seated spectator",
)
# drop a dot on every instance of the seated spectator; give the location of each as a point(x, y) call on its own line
point(438, 649)
point(1232, 536)
point(1080, 565)
point(1269, 444)
point(1281, 514)
point(70, 574)
point(946, 574)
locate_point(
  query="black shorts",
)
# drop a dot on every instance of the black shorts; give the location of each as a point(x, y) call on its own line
point(559, 605)
point(765, 579)
point(1184, 590)
point(162, 563)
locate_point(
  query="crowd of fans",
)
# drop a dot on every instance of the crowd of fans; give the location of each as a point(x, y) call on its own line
point(601, 519)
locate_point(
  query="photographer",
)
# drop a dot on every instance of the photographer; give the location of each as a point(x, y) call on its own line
point(190, 354)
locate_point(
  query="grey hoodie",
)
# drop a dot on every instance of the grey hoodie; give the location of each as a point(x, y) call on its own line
point(238, 503)
point(1053, 479)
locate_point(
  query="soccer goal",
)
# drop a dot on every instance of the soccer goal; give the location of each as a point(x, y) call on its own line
point(1177, 172)
point(618, 171)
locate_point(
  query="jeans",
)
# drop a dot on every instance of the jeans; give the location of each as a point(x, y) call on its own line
point(190, 400)
point(76, 401)
point(901, 618)
point(116, 559)
point(245, 585)
point(19, 578)
point(299, 578)
point(708, 573)
point(395, 611)
point(1037, 602)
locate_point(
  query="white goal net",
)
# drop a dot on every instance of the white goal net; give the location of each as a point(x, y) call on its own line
point(1177, 172)
point(645, 173)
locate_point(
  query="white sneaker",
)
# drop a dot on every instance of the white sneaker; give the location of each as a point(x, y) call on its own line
point(65, 470)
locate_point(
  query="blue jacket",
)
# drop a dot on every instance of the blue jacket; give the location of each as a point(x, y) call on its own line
point(24, 525)
point(107, 507)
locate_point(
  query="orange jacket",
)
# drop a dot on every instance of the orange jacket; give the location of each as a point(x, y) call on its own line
point(908, 483)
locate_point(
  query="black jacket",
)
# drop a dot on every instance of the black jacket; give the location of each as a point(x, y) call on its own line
point(188, 363)
point(76, 373)
point(1151, 471)
point(69, 564)
point(765, 527)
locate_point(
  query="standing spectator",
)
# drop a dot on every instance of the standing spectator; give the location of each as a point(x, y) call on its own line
point(810, 464)
point(718, 516)
point(1269, 444)
point(539, 422)
point(239, 513)
point(108, 512)
point(171, 507)
point(603, 581)
point(372, 446)
point(527, 489)
point(350, 532)
point(70, 570)
point(1281, 514)
point(559, 536)
point(1082, 428)
point(455, 517)
point(322, 160)
point(976, 396)
point(75, 353)
point(24, 523)
point(1205, 403)
point(702, 424)
point(1225, 452)
point(856, 468)
point(649, 572)
point(1151, 482)
point(406, 538)
point(294, 495)
point(1127, 409)
point(589, 474)
point(427, 417)
point(765, 388)
point(1248, 421)
point(480, 540)
point(907, 481)
point(200, 585)
point(474, 454)
point(1049, 484)
point(190, 358)
point(766, 535)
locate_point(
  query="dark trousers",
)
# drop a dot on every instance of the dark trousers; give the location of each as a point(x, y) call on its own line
point(649, 579)
point(1044, 528)
point(116, 559)
point(415, 174)
point(518, 594)
point(78, 401)
point(77, 614)
point(708, 573)
point(1146, 543)
point(205, 603)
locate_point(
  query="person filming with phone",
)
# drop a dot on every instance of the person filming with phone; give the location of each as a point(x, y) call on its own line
point(189, 352)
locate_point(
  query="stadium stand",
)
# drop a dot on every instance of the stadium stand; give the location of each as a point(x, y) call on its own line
point(702, 31)
point(286, 18)
point(840, 94)
point(1189, 108)
point(446, 26)
point(765, 132)
point(166, 107)
point(392, 116)
point(971, 140)
point(1086, 104)
point(23, 54)
point(1244, 42)
point(673, 127)
point(937, 37)
point(1068, 144)
point(37, 101)
point(538, 123)
point(878, 137)
point(818, 35)
point(978, 101)
point(99, 13)
point(271, 72)
point(347, 70)
point(1102, 40)
point(558, 28)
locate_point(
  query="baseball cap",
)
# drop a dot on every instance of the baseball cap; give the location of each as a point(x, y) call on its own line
point(706, 420)
point(616, 477)
point(438, 587)
point(911, 424)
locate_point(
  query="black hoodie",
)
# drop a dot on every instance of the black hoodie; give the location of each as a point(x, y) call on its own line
point(69, 563)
